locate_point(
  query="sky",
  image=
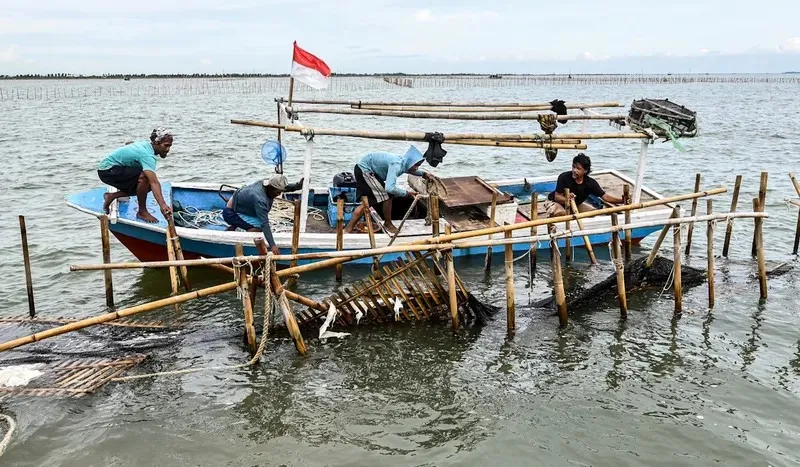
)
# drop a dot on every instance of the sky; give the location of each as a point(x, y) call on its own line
point(383, 36)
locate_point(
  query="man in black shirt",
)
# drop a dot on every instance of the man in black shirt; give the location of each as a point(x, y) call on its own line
point(580, 185)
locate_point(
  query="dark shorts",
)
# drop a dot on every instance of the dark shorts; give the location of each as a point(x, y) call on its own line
point(233, 219)
point(124, 179)
point(370, 186)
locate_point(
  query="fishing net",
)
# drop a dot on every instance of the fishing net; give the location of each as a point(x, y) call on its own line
point(637, 276)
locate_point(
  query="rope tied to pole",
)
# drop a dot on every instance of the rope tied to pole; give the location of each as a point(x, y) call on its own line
point(548, 124)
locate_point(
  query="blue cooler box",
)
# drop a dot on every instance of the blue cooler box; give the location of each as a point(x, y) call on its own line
point(349, 204)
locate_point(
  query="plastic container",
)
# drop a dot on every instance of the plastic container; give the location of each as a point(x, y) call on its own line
point(349, 204)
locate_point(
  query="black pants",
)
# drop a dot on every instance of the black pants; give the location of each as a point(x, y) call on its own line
point(123, 178)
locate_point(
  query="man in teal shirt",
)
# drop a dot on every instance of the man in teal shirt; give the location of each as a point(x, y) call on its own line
point(131, 169)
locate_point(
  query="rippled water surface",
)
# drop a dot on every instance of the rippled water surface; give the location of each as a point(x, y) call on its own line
point(714, 387)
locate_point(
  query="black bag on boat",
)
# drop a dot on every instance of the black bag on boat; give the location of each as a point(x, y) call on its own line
point(344, 180)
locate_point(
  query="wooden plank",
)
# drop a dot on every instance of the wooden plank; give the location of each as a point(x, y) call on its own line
point(469, 191)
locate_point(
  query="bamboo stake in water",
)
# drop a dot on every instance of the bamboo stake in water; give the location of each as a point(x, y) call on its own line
point(247, 304)
point(729, 229)
point(295, 239)
point(626, 196)
point(116, 315)
point(451, 284)
point(710, 253)
point(558, 280)
point(26, 258)
point(487, 265)
point(676, 212)
point(176, 245)
point(620, 268)
point(532, 252)
point(104, 239)
point(797, 231)
point(368, 220)
point(339, 234)
point(759, 238)
point(173, 271)
point(586, 240)
point(509, 269)
point(694, 213)
point(568, 241)
point(762, 199)
point(677, 285)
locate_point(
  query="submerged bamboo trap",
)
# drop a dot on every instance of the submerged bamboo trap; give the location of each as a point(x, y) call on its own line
point(72, 377)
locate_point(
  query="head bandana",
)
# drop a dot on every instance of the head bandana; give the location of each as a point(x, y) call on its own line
point(160, 134)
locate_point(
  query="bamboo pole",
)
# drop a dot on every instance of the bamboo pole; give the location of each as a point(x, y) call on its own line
point(362, 103)
point(626, 196)
point(26, 259)
point(104, 240)
point(420, 135)
point(176, 244)
point(450, 113)
point(759, 238)
point(261, 246)
point(117, 315)
point(509, 269)
point(173, 270)
point(797, 230)
point(586, 241)
point(568, 241)
point(762, 199)
point(518, 144)
point(532, 251)
point(487, 264)
point(677, 285)
point(620, 268)
point(368, 220)
point(676, 212)
point(449, 109)
point(247, 305)
point(339, 234)
point(295, 239)
point(288, 316)
point(433, 206)
point(729, 229)
point(451, 284)
point(558, 281)
point(710, 254)
point(694, 213)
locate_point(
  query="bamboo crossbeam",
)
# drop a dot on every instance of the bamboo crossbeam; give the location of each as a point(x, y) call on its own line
point(361, 103)
point(117, 315)
point(518, 144)
point(451, 114)
point(420, 135)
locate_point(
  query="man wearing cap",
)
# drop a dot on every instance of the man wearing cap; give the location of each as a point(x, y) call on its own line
point(376, 178)
point(131, 169)
point(256, 200)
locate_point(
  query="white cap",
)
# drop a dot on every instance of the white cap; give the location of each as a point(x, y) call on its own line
point(277, 181)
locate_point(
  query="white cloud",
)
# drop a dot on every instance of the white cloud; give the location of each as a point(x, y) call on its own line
point(423, 16)
point(9, 54)
point(791, 45)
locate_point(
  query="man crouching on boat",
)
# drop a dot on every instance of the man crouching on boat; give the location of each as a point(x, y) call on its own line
point(131, 169)
point(256, 200)
point(376, 178)
point(580, 185)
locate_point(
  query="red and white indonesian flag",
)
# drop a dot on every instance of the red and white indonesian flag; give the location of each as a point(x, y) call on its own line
point(309, 69)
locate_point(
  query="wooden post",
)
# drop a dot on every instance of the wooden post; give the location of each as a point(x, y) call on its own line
point(797, 231)
point(26, 258)
point(451, 284)
point(176, 245)
point(173, 271)
point(295, 239)
point(368, 220)
point(710, 242)
point(488, 263)
point(619, 266)
point(104, 239)
point(533, 217)
point(694, 213)
point(729, 229)
point(676, 211)
point(509, 267)
point(586, 240)
point(249, 329)
point(677, 285)
point(433, 207)
point(626, 196)
point(568, 240)
point(339, 234)
point(759, 240)
point(762, 200)
point(558, 281)
point(291, 90)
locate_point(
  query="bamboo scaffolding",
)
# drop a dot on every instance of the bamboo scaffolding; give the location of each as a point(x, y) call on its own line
point(176, 245)
point(694, 213)
point(362, 103)
point(762, 199)
point(173, 271)
point(451, 283)
point(759, 241)
point(710, 254)
point(729, 229)
point(247, 303)
point(420, 136)
point(117, 315)
point(487, 264)
point(26, 259)
point(620, 268)
point(108, 280)
point(586, 242)
point(519, 144)
point(450, 114)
